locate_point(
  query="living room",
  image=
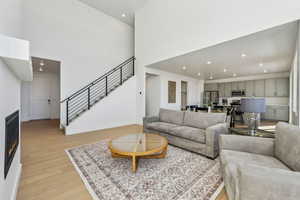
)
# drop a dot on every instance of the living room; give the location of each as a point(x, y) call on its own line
point(158, 100)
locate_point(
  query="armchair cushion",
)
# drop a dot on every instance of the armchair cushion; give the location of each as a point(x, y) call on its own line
point(244, 158)
point(190, 133)
point(161, 126)
point(203, 120)
point(171, 116)
point(287, 145)
point(264, 146)
point(257, 182)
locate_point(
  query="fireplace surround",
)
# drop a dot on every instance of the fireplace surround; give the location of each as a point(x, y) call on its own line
point(12, 131)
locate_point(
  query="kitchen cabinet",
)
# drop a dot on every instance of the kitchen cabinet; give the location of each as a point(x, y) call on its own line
point(282, 87)
point(241, 85)
point(259, 88)
point(221, 89)
point(249, 88)
point(276, 112)
point(277, 87)
point(227, 89)
point(234, 86)
point(270, 88)
point(211, 87)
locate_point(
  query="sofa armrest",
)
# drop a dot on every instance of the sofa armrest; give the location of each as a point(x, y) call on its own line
point(264, 146)
point(212, 138)
point(147, 120)
point(256, 182)
point(151, 119)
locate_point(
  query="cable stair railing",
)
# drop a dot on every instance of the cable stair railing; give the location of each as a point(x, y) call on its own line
point(85, 98)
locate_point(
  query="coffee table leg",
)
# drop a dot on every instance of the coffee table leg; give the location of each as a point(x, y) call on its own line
point(134, 163)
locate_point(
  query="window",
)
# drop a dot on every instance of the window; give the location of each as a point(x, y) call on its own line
point(171, 92)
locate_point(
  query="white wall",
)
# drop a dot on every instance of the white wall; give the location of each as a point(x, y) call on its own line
point(10, 102)
point(10, 25)
point(165, 29)
point(295, 85)
point(153, 86)
point(117, 109)
point(87, 42)
point(195, 89)
point(11, 18)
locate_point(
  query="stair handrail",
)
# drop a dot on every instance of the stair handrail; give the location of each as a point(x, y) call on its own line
point(80, 91)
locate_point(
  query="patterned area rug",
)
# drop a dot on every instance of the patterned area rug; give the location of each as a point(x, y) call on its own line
point(182, 175)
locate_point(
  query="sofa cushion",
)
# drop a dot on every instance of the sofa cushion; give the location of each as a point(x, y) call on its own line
point(242, 158)
point(171, 116)
point(161, 126)
point(203, 120)
point(194, 134)
point(287, 145)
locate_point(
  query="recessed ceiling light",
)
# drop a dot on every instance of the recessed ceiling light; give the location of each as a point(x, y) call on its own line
point(123, 15)
point(225, 70)
point(184, 67)
point(42, 63)
point(261, 64)
point(265, 71)
point(199, 74)
point(243, 55)
point(208, 62)
point(234, 74)
point(41, 69)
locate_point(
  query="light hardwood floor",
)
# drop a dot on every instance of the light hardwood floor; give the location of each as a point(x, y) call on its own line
point(47, 172)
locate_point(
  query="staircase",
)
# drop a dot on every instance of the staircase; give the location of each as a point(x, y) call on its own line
point(85, 98)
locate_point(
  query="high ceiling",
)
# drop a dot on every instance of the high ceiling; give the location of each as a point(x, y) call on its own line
point(116, 8)
point(268, 51)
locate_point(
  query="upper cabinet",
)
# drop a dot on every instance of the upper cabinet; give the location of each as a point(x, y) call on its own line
point(270, 87)
point(211, 87)
point(234, 86)
point(275, 87)
point(249, 85)
point(221, 89)
point(282, 87)
point(227, 91)
point(259, 88)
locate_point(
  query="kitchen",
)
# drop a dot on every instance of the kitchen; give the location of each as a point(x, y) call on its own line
point(274, 89)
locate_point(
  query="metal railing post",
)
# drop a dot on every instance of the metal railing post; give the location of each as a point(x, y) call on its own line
point(133, 66)
point(67, 111)
point(89, 97)
point(121, 75)
point(106, 91)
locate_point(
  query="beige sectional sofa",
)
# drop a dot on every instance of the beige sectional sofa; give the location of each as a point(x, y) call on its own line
point(262, 168)
point(194, 131)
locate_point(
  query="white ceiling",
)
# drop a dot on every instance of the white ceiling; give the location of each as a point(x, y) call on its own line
point(50, 66)
point(274, 48)
point(116, 8)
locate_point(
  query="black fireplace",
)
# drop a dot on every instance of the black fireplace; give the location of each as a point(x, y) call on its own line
point(11, 139)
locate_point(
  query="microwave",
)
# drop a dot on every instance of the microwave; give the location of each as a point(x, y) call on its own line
point(238, 93)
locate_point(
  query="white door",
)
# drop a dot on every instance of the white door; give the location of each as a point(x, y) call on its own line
point(40, 96)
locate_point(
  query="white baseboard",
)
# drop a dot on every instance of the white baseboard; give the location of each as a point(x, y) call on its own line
point(17, 183)
point(216, 194)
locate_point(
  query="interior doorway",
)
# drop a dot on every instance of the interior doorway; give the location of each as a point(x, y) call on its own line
point(184, 93)
point(152, 94)
point(40, 97)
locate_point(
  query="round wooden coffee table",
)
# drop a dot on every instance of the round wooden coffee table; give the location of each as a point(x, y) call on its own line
point(138, 145)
